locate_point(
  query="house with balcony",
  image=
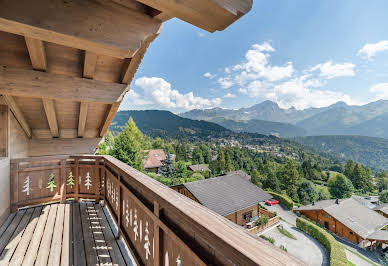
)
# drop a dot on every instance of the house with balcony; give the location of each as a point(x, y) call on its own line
point(65, 67)
point(349, 219)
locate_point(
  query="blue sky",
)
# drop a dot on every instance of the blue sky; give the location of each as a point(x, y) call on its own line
point(298, 53)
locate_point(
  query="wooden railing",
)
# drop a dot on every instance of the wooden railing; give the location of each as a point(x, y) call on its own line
point(161, 226)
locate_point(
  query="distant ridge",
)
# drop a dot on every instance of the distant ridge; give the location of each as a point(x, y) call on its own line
point(366, 150)
point(337, 119)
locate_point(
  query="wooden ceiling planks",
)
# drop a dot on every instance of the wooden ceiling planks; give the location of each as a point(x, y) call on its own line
point(13, 51)
point(210, 15)
point(86, 48)
point(102, 27)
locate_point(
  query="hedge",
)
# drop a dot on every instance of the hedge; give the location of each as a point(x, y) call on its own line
point(335, 249)
point(284, 200)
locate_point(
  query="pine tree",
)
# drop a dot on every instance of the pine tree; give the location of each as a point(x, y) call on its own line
point(51, 183)
point(228, 162)
point(340, 186)
point(167, 169)
point(128, 146)
point(221, 164)
point(197, 156)
point(70, 180)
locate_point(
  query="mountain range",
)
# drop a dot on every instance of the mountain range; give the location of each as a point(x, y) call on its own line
point(337, 119)
point(372, 152)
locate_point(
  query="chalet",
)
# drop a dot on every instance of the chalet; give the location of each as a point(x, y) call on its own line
point(153, 159)
point(229, 195)
point(348, 218)
point(65, 67)
point(198, 168)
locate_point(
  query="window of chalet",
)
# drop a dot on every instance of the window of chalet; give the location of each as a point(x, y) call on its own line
point(247, 215)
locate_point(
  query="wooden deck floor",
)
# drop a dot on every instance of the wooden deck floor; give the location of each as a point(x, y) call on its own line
point(62, 234)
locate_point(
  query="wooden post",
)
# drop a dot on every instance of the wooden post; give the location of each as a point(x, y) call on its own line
point(4, 130)
point(156, 235)
point(63, 181)
point(14, 186)
point(119, 211)
point(76, 180)
point(97, 178)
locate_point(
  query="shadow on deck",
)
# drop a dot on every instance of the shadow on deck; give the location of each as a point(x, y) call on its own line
point(62, 234)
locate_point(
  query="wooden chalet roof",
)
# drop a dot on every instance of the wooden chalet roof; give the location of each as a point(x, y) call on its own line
point(352, 214)
point(227, 194)
point(65, 66)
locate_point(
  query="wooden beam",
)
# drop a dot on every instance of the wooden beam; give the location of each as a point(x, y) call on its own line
point(37, 53)
point(162, 16)
point(83, 113)
point(112, 30)
point(131, 66)
point(37, 84)
point(49, 109)
point(210, 15)
point(18, 114)
point(109, 117)
point(90, 62)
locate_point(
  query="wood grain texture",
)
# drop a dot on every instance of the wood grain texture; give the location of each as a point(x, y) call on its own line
point(90, 62)
point(36, 84)
point(210, 15)
point(113, 30)
point(83, 113)
point(132, 64)
point(37, 53)
point(4, 129)
point(109, 118)
point(49, 109)
point(18, 114)
point(46, 147)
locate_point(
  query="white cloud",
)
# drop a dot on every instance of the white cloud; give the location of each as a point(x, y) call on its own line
point(209, 75)
point(159, 92)
point(257, 66)
point(380, 90)
point(299, 92)
point(371, 49)
point(229, 95)
point(225, 82)
point(133, 98)
point(329, 70)
point(201, 34)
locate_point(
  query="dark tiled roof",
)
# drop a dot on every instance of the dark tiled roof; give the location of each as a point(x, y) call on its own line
point(199, 167)
point(227, 194)
point(352, 214)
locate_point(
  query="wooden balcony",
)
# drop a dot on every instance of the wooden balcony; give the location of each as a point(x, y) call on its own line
point(157, 224)
point(62, 234)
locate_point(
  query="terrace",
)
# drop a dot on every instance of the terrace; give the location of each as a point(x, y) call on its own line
point(63, 75)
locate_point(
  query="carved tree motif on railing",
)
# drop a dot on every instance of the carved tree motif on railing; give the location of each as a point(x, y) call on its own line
point(26, 187)
point(70, 180)
point(88, 181)
point(51, 183)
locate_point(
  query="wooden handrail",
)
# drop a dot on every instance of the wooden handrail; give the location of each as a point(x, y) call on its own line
point(158, 223)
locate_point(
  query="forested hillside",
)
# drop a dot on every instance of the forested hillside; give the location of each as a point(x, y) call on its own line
point(366, 150)
point(285, 167)
point(165, 124)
